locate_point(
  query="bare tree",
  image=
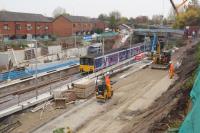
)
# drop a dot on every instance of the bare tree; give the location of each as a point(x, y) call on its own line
point(103, 17)
point(114, 18)
point(157, 19)
point(115, 14)
point(172, 15)
point(59, 11)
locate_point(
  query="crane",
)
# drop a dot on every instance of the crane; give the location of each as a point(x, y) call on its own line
point(176, 7)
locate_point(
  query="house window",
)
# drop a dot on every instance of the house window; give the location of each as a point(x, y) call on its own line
point(6, 27)
point(46, 27)
point(38, 27)
point(29, 27)
point(74, 25)
point(18, 27)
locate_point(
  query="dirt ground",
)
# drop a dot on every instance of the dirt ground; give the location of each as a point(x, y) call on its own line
point(132, 94)
point(170, 109)
point(34, 119)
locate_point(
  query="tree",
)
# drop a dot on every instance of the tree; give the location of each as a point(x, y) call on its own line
point(123, 20)
point(103, 17)
point(59, 11)
point(113, 22)
point(132, 20)
point(189, 18)
point(114, 18)
point(115, 14)
point(171, 15)
point(157, 19)
point(195, 2)
point(165, 22)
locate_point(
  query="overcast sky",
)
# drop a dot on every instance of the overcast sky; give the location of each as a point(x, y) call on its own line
point(91, 8)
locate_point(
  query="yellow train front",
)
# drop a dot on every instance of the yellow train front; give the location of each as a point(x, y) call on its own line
point(87, 64)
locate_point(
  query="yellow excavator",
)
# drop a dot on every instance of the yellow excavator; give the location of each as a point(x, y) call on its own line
point(103, 88)
point(160, 58)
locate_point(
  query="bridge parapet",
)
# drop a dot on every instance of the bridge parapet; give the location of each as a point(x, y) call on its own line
point(157, 31)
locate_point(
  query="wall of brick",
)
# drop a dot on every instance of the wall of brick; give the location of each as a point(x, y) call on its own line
point(100, 25)
point(80, 27)
point(23, 28)
point(10, 31)
point(62, 27)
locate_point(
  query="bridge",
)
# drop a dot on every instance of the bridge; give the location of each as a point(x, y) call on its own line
point(159, 32)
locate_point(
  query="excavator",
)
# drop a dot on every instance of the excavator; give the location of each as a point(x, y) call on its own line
point(161, 59)
point(177, 7)
point(103, 88)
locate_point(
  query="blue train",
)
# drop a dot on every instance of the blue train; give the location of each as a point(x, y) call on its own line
point(94, 63)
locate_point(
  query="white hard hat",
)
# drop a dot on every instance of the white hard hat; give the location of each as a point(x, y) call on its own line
point(170, 62)
point(107, 73)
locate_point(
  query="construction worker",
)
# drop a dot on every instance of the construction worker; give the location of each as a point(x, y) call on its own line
point(107, 78)
point(108, 86)
point(171, 70)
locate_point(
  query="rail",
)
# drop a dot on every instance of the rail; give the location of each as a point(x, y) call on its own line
point(48, 95)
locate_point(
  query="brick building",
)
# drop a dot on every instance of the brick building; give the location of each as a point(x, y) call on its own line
point(19, 25)
point(98, 24)
point(67, 25)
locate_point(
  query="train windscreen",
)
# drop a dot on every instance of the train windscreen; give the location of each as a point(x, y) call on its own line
point(86, 61)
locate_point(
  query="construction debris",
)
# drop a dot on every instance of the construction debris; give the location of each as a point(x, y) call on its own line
point(63, 97)
point(9, 127)
point(37, 108)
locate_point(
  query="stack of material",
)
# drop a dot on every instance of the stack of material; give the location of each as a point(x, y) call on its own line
point(63, 97)
point(84, 88)
point(70, 96)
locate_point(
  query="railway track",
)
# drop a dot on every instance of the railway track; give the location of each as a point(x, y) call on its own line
point(8, 128)
point(22, 94)
point(18, 101)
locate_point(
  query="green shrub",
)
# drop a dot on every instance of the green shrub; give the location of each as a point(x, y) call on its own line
point(59, 130)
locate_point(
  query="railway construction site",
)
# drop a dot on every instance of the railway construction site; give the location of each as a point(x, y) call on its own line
point(111, 74)
point(143, 97)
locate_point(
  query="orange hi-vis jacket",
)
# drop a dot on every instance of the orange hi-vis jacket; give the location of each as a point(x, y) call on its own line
point(107, 78)
point(171, 68)
point(171, 71)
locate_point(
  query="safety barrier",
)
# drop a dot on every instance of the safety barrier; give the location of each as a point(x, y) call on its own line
point(191, 123)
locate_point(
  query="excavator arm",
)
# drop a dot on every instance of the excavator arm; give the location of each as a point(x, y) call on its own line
point(154, 43)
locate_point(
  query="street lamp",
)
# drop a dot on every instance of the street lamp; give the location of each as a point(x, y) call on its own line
point(103, 46)
point(130, 45)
